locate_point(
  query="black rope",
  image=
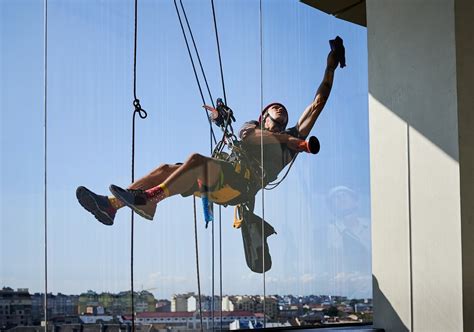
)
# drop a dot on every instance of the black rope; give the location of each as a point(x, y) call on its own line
point(197, 52)
point(218, 50)
point(45, 301)
point(220, 208)
point(273, 185)
point(262, 162)
point(194, 69)
point(212, 139)
point(197, 260)
point(143, 114)
point(220, 263)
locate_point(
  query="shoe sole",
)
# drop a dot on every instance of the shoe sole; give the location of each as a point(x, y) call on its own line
point(88, 202)
point(118, 193)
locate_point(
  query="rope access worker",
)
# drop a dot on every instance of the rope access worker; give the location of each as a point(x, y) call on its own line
point(226, 182)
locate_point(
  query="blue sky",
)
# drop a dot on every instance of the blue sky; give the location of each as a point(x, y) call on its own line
point(90, 60)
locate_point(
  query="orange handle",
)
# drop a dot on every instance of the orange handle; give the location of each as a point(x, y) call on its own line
point(310, 146)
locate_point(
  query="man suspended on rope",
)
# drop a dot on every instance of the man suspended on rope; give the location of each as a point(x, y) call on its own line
point(226, 182)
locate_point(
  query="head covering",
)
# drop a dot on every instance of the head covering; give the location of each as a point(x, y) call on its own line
point(342, 211)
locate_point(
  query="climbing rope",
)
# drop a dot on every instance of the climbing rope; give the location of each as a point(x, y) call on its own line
point(220, 207)
point(194, 67)
point(213, 139)
point(197, 260)
point(262, 160)
point(45, 83)
point(143, 114)
point(218, 50)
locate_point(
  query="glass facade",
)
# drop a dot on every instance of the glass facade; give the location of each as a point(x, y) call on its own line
point(320, 255)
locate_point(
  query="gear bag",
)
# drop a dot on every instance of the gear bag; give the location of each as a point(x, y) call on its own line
point(251, 227)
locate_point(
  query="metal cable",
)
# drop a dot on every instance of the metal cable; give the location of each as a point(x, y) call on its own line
point(220, 215)
point(212, 138)
point(197, 260)
point(45, 133)
point(197, 53)
point(194, 68)
point(220, 263)
point(262, 160)
point(218, 50)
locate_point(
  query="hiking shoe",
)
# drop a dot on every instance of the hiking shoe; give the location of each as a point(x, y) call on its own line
point(338, 47)
point(136, 200)
point(98, 205)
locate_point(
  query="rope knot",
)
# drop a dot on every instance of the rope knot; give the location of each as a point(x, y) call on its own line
point(138, 109)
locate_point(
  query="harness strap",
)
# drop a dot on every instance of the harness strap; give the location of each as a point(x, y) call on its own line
point(244, 170)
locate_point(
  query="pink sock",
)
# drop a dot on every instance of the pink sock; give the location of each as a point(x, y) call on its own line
point(158, 193)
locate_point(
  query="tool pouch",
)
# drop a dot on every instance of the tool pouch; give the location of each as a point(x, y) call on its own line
point(257, 254)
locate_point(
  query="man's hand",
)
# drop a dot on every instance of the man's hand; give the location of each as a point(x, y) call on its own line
point(246, 132)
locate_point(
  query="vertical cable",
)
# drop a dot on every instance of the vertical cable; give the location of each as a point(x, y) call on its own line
point(220, 265)
point(220, 230)
point(45, 83)
point(197, 53)
point(132, 219)
point(194, 66)
point(197, 260)
point(212, 275)
point(218, 50)
point(142, 113)
point(262, 161)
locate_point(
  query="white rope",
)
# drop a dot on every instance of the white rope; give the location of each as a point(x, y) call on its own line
point(45, 68)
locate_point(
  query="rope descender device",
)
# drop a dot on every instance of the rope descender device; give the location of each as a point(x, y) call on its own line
point(222, 116)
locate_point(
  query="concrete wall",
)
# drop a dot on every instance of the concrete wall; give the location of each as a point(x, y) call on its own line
point(464, 11)
point(421, 109)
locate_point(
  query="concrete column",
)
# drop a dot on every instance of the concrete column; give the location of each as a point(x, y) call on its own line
point(464, 11)
point(422, 163)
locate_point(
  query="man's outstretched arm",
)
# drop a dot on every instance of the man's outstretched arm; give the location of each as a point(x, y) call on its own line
point(254, 135)
point(311, 113)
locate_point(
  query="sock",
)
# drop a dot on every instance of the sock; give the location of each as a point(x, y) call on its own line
point(115, 202)
point(157, 193)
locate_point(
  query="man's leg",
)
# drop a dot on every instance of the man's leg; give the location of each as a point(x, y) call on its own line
point(155, 177)
point(104, 208)
point(197, 167)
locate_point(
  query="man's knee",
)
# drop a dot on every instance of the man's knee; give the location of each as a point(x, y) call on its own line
point(197, 159)
point(163, 169)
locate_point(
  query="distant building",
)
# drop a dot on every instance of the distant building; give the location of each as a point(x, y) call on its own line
point(93, 319)
point(191, 320)
point(58, 305)
point(245, 303)
point(179, 302)
point(255, 304)
point(15, 307)
point(115, 304)
point(362, 307)
point(206, 303)
point(163, 306)
point(228, 303)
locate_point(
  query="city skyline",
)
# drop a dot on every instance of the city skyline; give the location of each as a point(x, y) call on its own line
point(89, 113)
